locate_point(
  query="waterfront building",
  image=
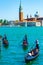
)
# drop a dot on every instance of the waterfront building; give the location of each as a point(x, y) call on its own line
point(36, 17)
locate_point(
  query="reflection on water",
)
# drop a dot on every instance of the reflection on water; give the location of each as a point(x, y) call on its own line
point(25, 48)
point(6, 46)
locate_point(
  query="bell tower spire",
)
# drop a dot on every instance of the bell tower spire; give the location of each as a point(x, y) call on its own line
point(20, 13)
point(20, 8)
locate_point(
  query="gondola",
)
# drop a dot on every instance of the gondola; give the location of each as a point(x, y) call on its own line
point(5, 41)
point(33, 53)
point(25, 42)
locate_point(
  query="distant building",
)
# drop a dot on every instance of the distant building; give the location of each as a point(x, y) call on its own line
point(42, 23)
point(33, 23)
point(36, 17)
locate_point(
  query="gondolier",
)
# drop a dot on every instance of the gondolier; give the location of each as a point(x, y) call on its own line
point(37, 44)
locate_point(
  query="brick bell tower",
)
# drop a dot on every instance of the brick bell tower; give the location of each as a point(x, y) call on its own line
point(20, 13)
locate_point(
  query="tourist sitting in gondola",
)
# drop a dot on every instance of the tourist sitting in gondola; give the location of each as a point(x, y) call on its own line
point(34, 52)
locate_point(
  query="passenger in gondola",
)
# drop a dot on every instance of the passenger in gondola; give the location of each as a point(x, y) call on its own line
point(31, 53)
point(35, 51)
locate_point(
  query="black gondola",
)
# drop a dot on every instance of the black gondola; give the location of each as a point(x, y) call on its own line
point(25, 42)
point(5, 41)
point(33, 53)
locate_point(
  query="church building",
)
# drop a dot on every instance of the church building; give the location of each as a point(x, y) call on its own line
point(36, 18)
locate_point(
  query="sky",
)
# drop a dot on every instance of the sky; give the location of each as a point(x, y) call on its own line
point(9, 9)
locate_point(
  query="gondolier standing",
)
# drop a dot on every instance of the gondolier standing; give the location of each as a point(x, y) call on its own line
point(37, 44)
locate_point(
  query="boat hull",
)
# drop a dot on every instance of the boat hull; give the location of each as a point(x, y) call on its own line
point(30, 58)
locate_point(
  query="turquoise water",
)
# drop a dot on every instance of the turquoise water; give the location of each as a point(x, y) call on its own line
point(15, 54)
